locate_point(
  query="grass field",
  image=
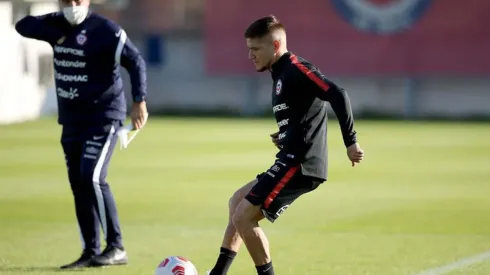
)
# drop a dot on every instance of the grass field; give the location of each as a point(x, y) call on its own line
point(420, 200)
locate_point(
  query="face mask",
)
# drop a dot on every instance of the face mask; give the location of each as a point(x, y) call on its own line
point(75, 15)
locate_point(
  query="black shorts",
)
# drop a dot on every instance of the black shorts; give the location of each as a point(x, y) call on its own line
point(279, 187)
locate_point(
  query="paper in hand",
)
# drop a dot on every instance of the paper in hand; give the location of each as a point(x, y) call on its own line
point(126, 135)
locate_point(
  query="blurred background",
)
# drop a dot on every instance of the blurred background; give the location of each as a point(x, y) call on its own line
point(406, 59)
point(419, 201)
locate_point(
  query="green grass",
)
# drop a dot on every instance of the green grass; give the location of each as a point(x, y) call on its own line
point(420, 200)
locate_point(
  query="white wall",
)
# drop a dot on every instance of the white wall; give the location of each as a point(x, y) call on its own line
point(22, 98)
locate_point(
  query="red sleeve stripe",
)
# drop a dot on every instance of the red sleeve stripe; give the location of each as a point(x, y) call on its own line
point(311, 75)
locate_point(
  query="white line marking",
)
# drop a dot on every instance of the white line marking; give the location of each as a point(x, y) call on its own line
point(457, 265)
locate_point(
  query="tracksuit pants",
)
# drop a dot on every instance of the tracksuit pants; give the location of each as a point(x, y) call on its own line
point(88, 152)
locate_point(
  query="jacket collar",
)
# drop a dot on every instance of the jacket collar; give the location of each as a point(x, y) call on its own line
point(280, 64)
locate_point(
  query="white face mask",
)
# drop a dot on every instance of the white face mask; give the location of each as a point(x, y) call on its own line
point(75, 15)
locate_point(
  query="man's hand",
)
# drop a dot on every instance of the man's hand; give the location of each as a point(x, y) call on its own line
point(355, 153)
point(139, 114)
point(275, 139)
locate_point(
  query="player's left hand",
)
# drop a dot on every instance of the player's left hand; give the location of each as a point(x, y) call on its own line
point(355, 153)
point(139, 114)
point(275, 139)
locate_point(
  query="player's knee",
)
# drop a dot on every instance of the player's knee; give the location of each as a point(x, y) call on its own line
point(246, 215)
point(234, 201)
point(231, 205)
point(242, 221)
point(238, 220)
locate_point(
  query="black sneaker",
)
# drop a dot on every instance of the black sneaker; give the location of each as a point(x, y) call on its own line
point(111, 256)
point(85, 260)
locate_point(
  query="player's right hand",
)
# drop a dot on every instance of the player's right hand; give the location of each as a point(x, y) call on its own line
point(355, 153)
point(275, 139)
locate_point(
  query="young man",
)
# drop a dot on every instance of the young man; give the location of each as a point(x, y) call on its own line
point(88, 51)
point(299, 96)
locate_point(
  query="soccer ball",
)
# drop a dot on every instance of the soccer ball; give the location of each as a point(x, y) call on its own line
point(176, 265)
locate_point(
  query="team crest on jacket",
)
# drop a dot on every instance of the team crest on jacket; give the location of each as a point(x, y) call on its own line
point(278, 87)
point(382, 16)
point(82, 38)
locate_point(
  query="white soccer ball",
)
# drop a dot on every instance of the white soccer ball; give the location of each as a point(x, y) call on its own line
point(176, 265)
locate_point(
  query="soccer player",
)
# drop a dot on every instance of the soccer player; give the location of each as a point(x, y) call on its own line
point(88, 52)
point(299, 95)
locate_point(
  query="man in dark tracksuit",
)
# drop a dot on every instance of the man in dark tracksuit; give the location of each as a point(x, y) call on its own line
point(88, 52)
